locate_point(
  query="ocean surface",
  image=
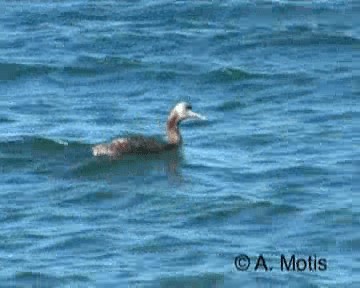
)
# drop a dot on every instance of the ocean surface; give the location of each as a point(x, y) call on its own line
point(273, 171)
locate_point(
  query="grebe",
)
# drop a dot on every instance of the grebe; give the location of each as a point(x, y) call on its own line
point(145, 145)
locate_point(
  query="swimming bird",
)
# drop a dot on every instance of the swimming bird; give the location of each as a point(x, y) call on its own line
point(145, 145)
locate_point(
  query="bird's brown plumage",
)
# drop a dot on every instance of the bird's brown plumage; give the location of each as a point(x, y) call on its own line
point(145, 145)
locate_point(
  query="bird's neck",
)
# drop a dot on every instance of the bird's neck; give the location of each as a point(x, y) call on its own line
point(172, 129)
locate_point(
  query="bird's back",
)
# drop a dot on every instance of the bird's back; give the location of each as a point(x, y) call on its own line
point(132, 145)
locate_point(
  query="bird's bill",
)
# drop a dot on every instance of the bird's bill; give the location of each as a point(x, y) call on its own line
point(192, 114)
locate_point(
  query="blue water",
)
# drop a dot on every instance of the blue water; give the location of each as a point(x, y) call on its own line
point(274, 170)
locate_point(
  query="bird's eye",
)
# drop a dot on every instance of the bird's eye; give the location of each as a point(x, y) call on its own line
point(189, 107)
